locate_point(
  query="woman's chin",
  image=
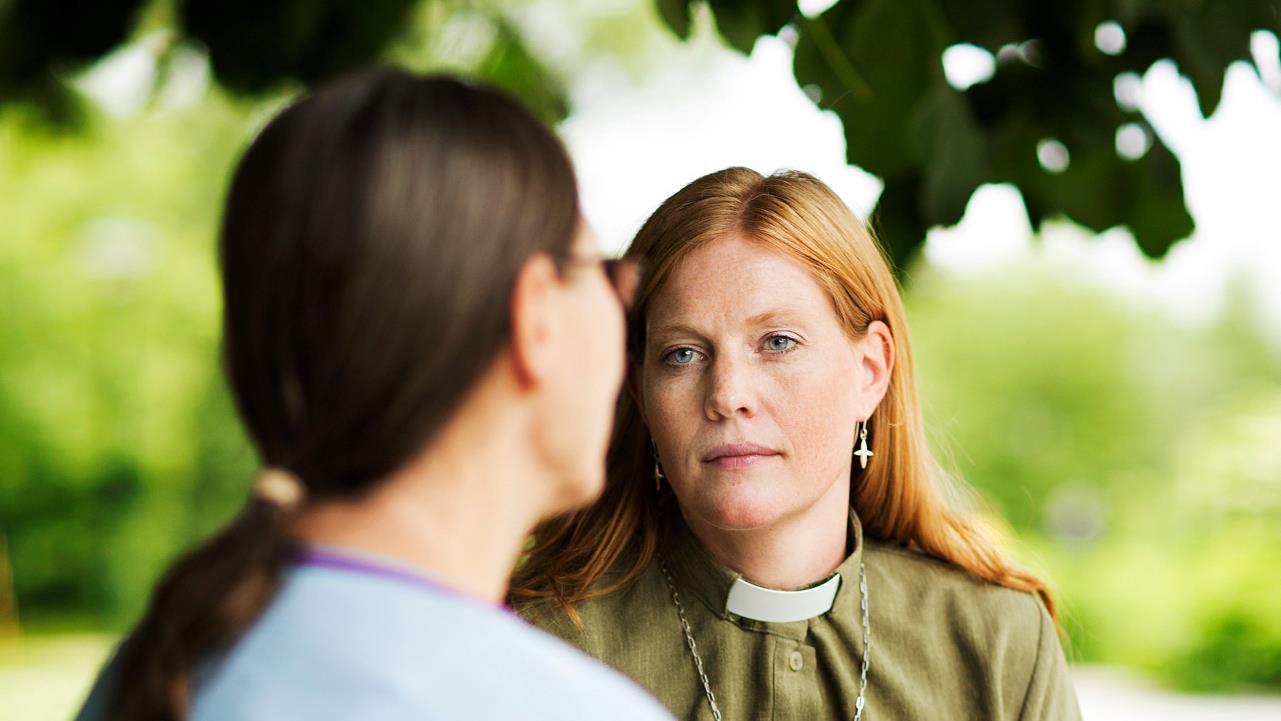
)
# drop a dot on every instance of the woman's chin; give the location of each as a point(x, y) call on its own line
point(738, 511)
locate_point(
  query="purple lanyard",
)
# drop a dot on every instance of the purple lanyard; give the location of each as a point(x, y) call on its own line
point(324, 558)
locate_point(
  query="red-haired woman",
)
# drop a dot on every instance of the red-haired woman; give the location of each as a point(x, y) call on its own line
point(773, 540)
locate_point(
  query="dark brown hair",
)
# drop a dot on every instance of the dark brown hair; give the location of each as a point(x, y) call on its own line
point(371, 239)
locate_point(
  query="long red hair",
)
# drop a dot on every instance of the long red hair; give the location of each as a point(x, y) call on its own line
point(899, 498)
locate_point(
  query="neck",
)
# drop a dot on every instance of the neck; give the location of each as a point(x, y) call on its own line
point(457, 513)
point(791, 553)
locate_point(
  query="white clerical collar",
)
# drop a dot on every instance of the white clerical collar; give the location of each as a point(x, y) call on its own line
point(758, 603)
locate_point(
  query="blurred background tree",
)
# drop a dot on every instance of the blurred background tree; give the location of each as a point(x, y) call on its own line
point(258, 48)
point(1133, 459)
point(1045, 116)
point(1049, 115)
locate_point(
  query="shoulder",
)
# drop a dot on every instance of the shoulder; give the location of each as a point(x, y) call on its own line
point(571, 685)
point(430, 655)
point(609, 622)
point(980, 608)
point(970, 632)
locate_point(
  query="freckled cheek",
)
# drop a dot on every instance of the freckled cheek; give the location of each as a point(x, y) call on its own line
point(675, 417)
point(817, 418)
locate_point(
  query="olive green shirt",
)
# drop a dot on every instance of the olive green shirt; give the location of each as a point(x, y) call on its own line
point(945, 645)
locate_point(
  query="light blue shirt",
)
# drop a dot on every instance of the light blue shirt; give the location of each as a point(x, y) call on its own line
point(337, 644)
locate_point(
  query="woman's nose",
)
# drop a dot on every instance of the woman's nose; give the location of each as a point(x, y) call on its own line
point(729, 390)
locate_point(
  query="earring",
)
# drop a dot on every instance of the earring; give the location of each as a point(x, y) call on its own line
point(658, 469)
point(863, 453)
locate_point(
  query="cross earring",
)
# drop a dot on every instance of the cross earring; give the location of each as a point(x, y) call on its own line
point(863, 453)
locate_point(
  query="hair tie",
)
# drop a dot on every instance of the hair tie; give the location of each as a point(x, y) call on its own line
point(279, 487)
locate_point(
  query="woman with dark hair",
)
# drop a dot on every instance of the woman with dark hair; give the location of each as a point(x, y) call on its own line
point(425, 352)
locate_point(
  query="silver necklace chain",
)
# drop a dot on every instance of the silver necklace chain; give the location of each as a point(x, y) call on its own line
point(698, 660)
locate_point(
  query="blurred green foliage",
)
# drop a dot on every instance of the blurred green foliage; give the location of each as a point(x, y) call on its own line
point(1135, 459)
point(118, 443)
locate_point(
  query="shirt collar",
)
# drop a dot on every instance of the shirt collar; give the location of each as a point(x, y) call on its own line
point(696, 572)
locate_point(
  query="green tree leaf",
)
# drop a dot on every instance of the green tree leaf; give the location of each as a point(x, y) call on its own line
point(675, 14)
point(255, 46)
point(511, 66)
point(741, 23)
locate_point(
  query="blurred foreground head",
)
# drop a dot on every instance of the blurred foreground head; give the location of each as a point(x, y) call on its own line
point(373, 234)
point(393, 248)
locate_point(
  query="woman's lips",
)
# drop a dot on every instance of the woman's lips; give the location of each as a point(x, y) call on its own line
point(738, 455)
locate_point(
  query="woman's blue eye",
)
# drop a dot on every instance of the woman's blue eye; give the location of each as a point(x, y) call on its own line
point(779, 343)
point(681, 356)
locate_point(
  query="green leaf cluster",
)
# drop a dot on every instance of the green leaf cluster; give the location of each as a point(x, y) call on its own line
point(878, 65)
point(256, 49)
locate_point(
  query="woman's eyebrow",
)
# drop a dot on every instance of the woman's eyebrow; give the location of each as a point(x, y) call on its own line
point(768, 317)
point(670, 329)
point(775, 316)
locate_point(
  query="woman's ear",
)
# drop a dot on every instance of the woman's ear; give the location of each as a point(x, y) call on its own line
point(876, 360)
point(532, 314)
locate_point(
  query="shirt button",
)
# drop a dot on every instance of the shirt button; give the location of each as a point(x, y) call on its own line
point(796, 661)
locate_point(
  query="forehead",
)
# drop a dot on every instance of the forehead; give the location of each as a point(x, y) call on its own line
point(735, 278)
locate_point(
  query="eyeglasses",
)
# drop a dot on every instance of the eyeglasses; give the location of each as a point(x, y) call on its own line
point(624, 274)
